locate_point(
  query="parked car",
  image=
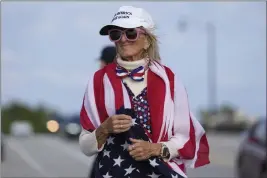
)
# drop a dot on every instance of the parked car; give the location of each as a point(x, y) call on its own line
point(251, 157)
point(72, 127)
point(21, 129)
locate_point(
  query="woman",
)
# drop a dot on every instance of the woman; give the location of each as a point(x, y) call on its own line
point(135, 114)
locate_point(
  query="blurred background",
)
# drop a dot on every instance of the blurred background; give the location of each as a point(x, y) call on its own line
point(49, 49)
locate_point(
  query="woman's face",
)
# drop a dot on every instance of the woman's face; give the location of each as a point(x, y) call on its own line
point(130, 43)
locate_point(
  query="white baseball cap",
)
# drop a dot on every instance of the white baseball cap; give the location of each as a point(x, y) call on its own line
point(130, 17)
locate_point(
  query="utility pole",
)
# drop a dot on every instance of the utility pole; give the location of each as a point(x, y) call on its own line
point(211, 62)
point(211, 66)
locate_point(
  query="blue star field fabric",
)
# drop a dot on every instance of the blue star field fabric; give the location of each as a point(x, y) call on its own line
point(114, 161)
point(141, 108)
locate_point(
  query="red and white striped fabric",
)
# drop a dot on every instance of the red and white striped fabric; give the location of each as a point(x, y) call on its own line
point(171, 119)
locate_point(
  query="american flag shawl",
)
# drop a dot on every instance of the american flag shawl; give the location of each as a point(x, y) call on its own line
point(171, 119)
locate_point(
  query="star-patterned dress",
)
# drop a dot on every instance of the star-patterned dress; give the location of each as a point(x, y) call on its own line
point(141, 109)
point(114, 160)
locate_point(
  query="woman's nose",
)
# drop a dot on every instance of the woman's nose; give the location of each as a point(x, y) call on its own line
point(123, 38)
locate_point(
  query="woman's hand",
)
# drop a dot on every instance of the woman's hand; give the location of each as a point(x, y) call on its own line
point(143, 150)
point(117, 123)
point(114, 124)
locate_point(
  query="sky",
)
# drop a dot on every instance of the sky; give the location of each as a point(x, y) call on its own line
point(49, 50)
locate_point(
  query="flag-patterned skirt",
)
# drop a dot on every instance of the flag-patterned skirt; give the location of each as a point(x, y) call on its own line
point(114, 161)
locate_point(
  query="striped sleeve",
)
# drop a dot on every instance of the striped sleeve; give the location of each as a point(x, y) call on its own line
point(89, 117)
point(201, 154)
point(188, 146)
point(189, 136)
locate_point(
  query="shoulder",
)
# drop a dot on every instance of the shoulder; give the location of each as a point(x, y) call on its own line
point(173, 76)
point(166, 68)
point(169, 72)
point(99, 74)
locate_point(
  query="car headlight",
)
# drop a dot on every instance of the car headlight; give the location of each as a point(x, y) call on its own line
point(52, 126)
point(73, 128)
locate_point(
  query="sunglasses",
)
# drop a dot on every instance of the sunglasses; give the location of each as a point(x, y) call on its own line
point(131, 34)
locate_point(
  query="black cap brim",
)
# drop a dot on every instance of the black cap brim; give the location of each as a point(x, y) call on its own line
point(104, 30)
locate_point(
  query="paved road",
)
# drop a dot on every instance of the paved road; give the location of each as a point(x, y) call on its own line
point(52, 156)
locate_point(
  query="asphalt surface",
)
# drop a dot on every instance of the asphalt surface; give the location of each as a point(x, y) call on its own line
point(52, 156)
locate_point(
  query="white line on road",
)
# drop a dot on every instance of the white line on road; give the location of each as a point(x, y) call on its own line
point(63, 146)
point(21, 151)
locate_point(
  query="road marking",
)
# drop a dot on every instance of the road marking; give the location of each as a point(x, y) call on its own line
point(219, 155)
point(71, 152)
point(21, 151)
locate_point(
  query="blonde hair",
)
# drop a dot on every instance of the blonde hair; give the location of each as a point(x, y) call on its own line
point(153, 50)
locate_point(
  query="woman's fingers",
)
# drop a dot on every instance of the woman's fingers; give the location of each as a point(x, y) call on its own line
point(122, 128)
point(119, 123)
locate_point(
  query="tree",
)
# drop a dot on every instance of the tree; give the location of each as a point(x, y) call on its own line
point(20, 111)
